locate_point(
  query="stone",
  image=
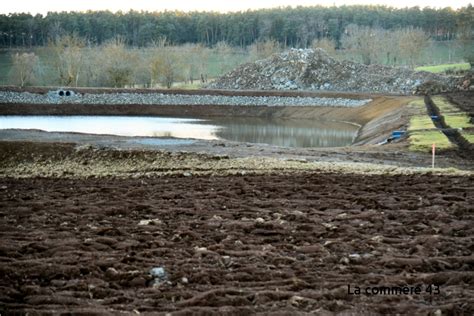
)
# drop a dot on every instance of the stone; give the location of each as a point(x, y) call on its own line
point(111, 272)
point(226, 261)
point(159, 273)
point(145, 222)
point(308, 69)
point(344, 260)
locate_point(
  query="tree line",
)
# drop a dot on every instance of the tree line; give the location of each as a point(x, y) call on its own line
point(69, 61)
point(290, 27)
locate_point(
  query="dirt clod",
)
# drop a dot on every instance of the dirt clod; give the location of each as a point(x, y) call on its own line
point(74, 244)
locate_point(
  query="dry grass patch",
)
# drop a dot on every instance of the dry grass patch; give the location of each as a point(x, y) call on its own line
point(453, 116)
point(445, 106)
point(421, 122)
point(423, 140)
point(444, 67)
point(458, 121)
point(469, 136)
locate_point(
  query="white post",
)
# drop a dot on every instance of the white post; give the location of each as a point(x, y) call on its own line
point(433, 150)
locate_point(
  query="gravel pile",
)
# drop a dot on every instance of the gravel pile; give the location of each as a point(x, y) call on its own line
point(172, 99)
point(310, 69)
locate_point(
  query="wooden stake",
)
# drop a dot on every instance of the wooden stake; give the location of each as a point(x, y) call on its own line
point(433, 150)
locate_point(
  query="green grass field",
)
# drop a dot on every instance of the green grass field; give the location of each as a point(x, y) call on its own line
point(458, 121)
point(422, 131)
point(445, 106)
point(469, 136)
point(197, 84)
point(418, 103)
point(419, 119)
point(453, 116)
point(444, 67)
point(420, 122)
point(423, 141)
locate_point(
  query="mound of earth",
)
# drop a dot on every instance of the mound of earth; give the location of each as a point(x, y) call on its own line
point(310, 69)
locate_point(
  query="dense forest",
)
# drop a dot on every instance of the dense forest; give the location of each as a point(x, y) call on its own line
point(296, 27)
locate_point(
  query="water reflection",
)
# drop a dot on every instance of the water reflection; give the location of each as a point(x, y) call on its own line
point(280, 132)
point(286, 132)
point(114, 125)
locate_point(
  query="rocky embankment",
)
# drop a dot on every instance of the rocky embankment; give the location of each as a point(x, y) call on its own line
point(54, 97)
point(308, 69)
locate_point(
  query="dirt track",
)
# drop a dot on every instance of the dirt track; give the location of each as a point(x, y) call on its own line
point(244, 244)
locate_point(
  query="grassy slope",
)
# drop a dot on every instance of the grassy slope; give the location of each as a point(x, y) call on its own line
point(423, 140)
point(423, 133)
point(418, 122)
point(468, 136)
point(453, 116)
point(445, 106)
point(444, 67)
point(458, 121)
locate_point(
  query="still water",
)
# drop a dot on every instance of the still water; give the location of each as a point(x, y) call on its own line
point(280, 132)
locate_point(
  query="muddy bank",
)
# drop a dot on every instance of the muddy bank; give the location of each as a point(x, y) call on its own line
point(381, 126)
point(359, 115)
point(237, 244)
point(101, 156)
point(379, 107)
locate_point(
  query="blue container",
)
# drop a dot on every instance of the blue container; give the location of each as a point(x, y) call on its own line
point(434, 117)
point(397, 134)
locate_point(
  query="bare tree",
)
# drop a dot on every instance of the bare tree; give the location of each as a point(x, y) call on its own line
point(195, 62)
point(366, 42)
point(202, 54)
point(263, 49)
point(190, 58)
point(223, 52)
point(388, 47)
point(118, 63)
point(377, 45)
point(93, 72)
point(325, 43)
point(466, 38)
point(69, 58)
point(170, 67)
point(412, 42)
point(24, 68)
point(165, 64)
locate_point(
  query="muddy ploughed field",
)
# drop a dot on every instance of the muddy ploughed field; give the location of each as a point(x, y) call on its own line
point(237, 244)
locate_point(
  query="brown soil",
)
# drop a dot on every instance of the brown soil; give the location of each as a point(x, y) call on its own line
point(287, 242)
point(88, 155)
point(464, 100)
point(237, 244)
